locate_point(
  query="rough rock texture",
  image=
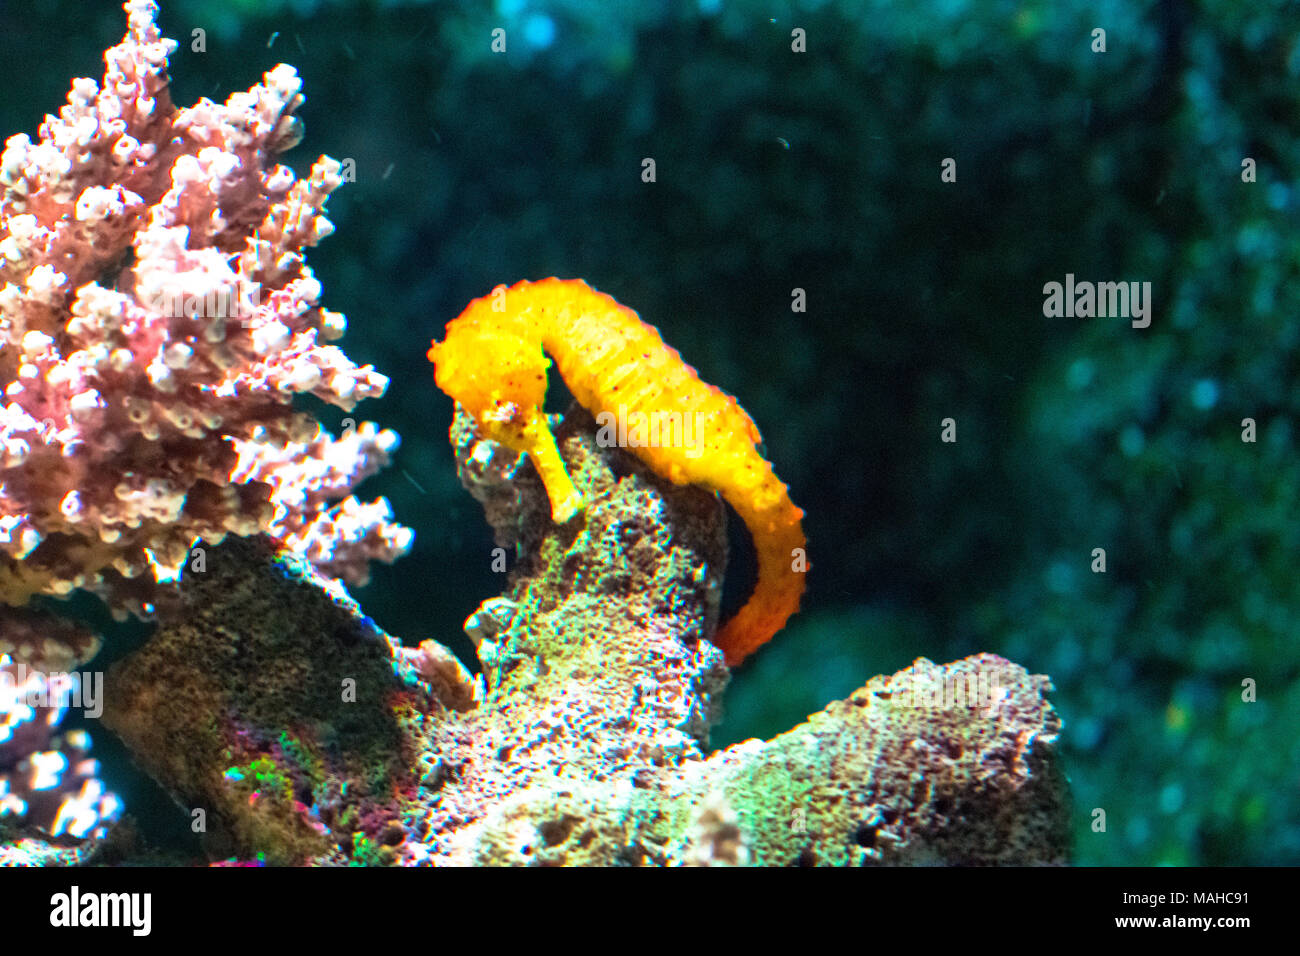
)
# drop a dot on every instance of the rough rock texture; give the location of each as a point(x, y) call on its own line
point(584, 739)
point(268, 700)
point(886, 776)
point(598, 672)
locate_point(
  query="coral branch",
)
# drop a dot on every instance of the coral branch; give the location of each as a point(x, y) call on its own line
point(156, 319)
point(48, 782)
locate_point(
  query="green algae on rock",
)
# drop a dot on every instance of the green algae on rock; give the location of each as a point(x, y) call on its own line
point(268, 701)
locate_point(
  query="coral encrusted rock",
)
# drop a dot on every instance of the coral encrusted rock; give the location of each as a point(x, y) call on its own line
point(584, 739)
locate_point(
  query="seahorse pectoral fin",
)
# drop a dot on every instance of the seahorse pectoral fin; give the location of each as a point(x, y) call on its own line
point(566, 500)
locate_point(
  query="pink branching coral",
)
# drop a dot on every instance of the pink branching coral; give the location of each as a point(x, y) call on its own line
point(156, 320)
point(48, 779)
point(55, 784)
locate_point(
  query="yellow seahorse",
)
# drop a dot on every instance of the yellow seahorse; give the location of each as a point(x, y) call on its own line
point(492, 363)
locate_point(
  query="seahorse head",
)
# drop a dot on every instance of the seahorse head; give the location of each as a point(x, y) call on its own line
point(494, 373)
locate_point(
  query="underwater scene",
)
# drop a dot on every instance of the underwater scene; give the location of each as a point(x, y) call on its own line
point(714, 433)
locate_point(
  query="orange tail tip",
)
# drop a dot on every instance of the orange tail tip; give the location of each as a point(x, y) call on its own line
point(492, 362)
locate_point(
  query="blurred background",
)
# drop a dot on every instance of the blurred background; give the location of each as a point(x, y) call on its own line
point(820, 170)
